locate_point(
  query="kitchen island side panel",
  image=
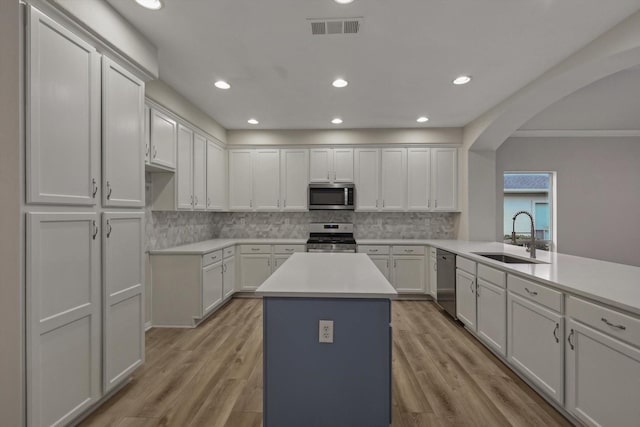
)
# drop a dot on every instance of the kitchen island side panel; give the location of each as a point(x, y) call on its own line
point(346, 383)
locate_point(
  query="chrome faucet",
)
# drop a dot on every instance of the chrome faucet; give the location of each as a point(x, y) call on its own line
point(532, 246)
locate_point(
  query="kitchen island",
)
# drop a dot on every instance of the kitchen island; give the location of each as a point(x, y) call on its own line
point(318, 373)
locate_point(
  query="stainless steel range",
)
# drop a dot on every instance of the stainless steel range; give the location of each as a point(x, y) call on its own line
point(333, 237)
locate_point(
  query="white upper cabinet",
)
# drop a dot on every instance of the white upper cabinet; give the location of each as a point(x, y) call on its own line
point(122, 137)
point(393, 179)
point(444, 178)
point(63, 115)
point(331, 165)
point(147, 134)
point(199, 172)
point(367, 178)
point(184, 173)
point(163, 135)
point(266, 176)
point(294, 176)
point(240, 180)
point(123, 305)
point(216, 177)
point(419, 179)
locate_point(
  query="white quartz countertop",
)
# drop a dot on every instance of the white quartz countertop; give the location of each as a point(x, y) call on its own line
point(615, 284)
point(207, 246)
point(327, 275)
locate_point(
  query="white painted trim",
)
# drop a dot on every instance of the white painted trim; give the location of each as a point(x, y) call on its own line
point(600, 133)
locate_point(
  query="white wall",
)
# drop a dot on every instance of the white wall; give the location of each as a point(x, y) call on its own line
point(481, 195)
point(169, 98)
point(598, 191)
point(11, 367)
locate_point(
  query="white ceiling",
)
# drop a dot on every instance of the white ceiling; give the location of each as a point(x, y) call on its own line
point(612, 103)
point(399, 67)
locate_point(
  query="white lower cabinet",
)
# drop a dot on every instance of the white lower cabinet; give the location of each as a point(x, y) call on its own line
point(466, 298)
point(212, 286)
point(433, 272)
point(123, 278)
point(408, 274)
point(228, 277)
point(492, 315)
point(64, 320)
point(382, 262)
point(254, 270)
point(535, 344)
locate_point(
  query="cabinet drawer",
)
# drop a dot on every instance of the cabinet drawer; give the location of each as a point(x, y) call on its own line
point(408, 250)
point(492, 275)
point(609, 321)
point(228, 252)
point(255, 249)
point(211, 257)
point(373, 250)
point(288, 249)
point(541, 294)
point(466, 265)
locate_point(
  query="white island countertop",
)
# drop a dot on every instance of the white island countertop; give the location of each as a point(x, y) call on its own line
point(327, 275)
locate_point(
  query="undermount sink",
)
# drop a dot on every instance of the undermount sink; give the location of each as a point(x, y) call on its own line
point(509, 259)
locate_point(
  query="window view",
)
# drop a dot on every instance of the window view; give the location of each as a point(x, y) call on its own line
point(532, 193)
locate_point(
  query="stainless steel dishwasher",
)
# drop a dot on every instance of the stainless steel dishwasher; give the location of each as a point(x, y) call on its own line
point(446, 292)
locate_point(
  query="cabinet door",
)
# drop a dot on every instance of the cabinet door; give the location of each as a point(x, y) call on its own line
point(254, 270)
point(294, 179)
point(534, 344)
point(63, 316)
point(229, 277)
point(445, 178)
point(240, 180)
point(466, 298)
point(394, 179)
point(419, 179)
point(212, 281)
point(216, 177)
point(343, 165)
point(433, 273)
point(492, 315)
point(603, 374)
point(199, 172)
point(184, 172)
point(63, 115)
point(147, 135)
point(320, 164)
point(123, 305)
point(266, 175)
point(278, 260)
point(367, 178)
point(382, 262)
point(164, 136)
point(408, 273)
point(122, 137)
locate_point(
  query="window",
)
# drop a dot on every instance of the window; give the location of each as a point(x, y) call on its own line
point(534, 193)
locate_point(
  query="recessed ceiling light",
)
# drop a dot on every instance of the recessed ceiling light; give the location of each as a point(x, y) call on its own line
point(221, 84)
point(253, 121)
point(462, 80)
point(336, 121)
point(340, 83)
point(422, 119)
point(343, 1)
point(150, 4)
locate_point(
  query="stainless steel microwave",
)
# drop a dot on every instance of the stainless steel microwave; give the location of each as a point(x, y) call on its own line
point(332, 196)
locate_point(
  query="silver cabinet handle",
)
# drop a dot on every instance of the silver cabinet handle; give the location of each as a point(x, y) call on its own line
point(95, 230)
point(613, 325)
point(95, 187)
point(208, 201)
point(285, 203)
point(555, 332)
point(435, 266)
point(196, 202)
point(409, 251)
point(109, 229)
point(429, 203)
point(376, 203)
point(328, 177)
point(373, 250)
point(255, 249)
point(383, 203)
point(387, 264)
point(250, 203)
point(278, 204)
point(155, 152)
point(471, 286)
point(269, 262)
point(534, 293)
point(146, 150)
point(109, 190)
point(395, 263)
point(289, 249)
point(569, 339)
point(335, 175)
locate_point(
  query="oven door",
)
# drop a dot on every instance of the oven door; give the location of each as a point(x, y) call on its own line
point(331, 196)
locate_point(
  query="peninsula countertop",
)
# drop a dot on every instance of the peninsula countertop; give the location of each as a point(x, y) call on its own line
point(327, 275)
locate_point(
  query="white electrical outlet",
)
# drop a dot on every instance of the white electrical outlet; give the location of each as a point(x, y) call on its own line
point(325, 334)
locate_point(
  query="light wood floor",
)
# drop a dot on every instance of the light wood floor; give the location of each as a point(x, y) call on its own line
point(212, 376)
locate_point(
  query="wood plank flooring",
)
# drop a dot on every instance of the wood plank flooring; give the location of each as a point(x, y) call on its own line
point(212, 376)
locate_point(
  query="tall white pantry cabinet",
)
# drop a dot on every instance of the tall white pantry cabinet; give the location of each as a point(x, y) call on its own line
point(84, 243)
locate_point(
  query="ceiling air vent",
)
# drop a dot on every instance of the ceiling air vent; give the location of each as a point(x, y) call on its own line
point(335, 26)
